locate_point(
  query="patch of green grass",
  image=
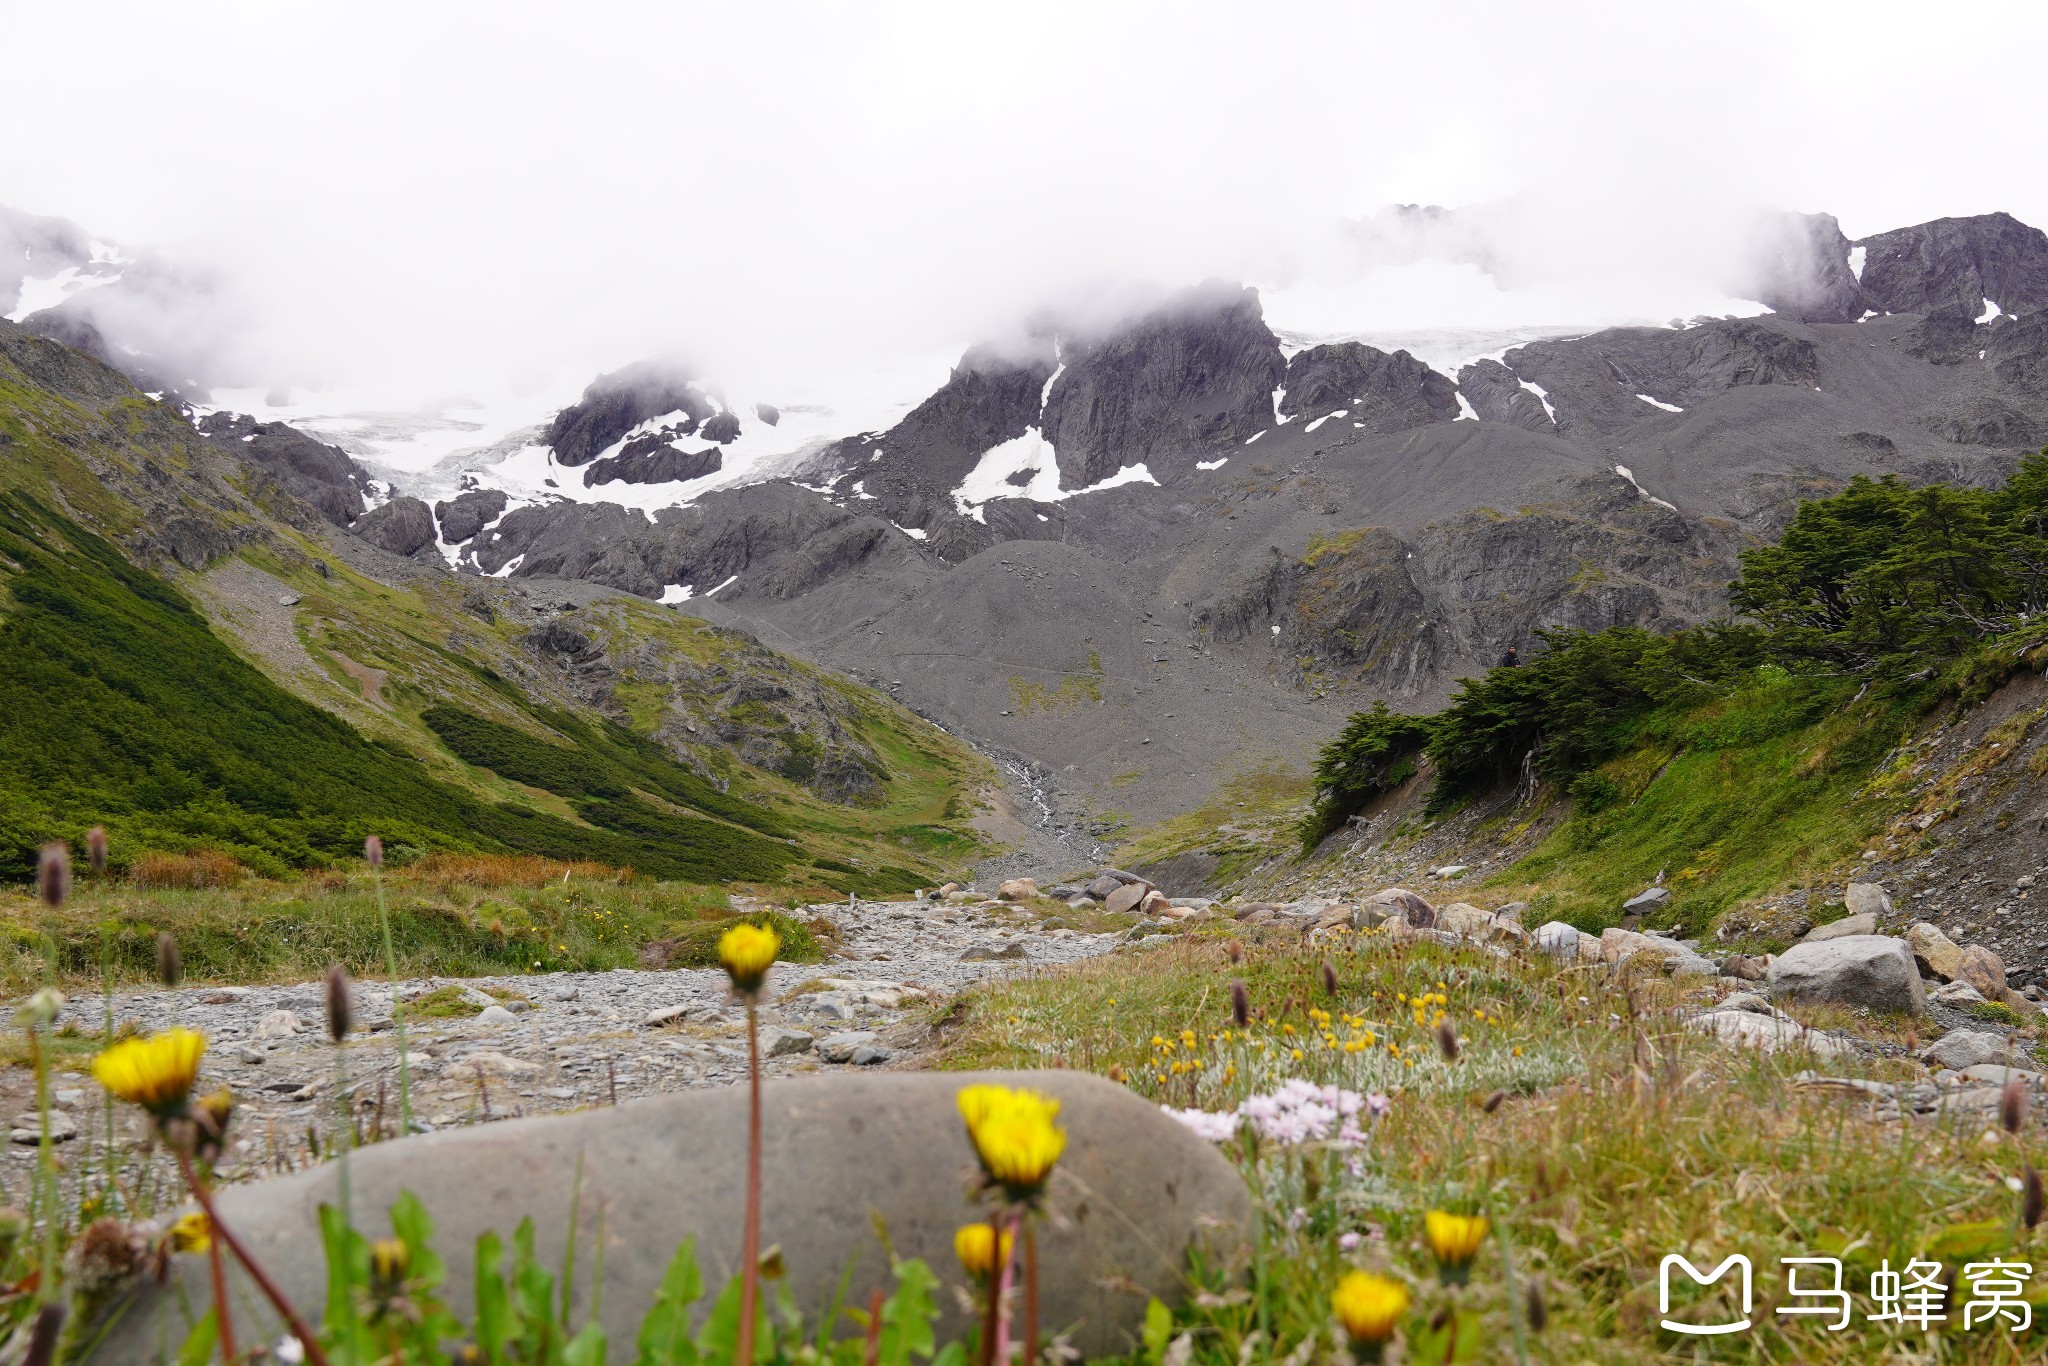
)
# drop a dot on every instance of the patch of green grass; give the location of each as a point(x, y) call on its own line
point(263, 931)
point(1597, 1132)
point(443, 1003)
point(1998, 1012)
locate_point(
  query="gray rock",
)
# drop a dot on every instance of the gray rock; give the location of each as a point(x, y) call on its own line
point(1961, 1048)
point(1559, 940)
point(989, 953)
point(1865, 923)
point(1133, 1196)
point(1750, 967)
point(1649, 900)
point(841, 1047)
point(28, 1128)
point(662, 1016)
point(1103, 886)
point(1984, 970)
point(496, 1016)
point(871, 1055)
point(780, 1041)
point(1741, 1029)
point(1869, 970)
point(1749, 1001)
point(1956, 994)
point(1397, 903)
point(1997, 1074)
point(1867, 898)
point(1125, 899)
point(401, 526)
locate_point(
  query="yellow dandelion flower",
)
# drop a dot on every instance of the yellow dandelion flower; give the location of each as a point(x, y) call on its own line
point(1454, 1240)
point(1297, 1055)
point(746, 952)
point(975, 1245)
point(1518, 1050)
point(192, 1233)
point(1370, 1308)
point(1014, 1134)
point(156, 1073)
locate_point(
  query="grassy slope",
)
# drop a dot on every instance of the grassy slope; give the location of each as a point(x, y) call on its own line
point(126, 709)
point(1618, 1137)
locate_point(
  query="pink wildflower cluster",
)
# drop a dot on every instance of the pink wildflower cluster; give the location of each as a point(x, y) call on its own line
point(1299, 1112)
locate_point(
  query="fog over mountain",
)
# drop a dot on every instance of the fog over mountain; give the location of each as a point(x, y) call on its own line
point(1220, 368)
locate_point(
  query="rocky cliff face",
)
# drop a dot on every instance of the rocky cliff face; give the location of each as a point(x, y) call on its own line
point(616, 403)
point(324, 477)
point(1957, 262)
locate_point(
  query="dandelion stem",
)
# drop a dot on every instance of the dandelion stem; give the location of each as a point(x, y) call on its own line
point(46, 1170)
point(999, 1273)
point(297, 1325)
point(1030, 1290)
point(221, 1312)
point(750, 1247)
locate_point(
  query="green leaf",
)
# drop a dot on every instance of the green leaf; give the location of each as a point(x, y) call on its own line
point(493, 1306)
point(1158, 1331)
point(586, 1348)
point(665, 1332)
point(348, 1268)
point(197, 1348)
point(1457, 1341)
point(415, 1228)
point(1959, 1242)
point(907, 1315)
point(719, 1339)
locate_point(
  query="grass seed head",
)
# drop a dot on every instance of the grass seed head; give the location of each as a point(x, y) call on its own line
point(2030, 1197)
point(96, 850)
point(1240, 1004)
point(2012, 1105)
point(1535, 1309)
point(338, 1016)
point(1329, 979)
point(1234, 951)
point(1447, 1040)
point(53, 873)
point(168, 966)
point(373, 852)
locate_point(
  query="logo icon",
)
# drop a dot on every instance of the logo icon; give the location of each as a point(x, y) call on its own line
point(1708, 1278)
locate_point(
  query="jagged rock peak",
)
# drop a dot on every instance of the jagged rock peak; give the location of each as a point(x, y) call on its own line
point(1957, 262)
point(617, 402)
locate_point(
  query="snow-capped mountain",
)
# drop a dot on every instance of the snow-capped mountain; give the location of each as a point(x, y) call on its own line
point(1142, 544)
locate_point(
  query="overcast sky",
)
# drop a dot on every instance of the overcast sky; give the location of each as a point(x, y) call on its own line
point(445, 191)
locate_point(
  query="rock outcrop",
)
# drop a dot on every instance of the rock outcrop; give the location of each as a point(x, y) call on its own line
point(324, 477)
point(616, 403)
point(1957, 263)
point(1870, 970)
point(403, 526)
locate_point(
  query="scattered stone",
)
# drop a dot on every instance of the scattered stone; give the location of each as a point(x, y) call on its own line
point(1513, 910)
point(1560, 940)
point(1961, 1048)
point(1017, 889)
point(666, 1015)
point(870, 1056)
point(1749, 1001)
point(1865, 923)
point(28, 1128)
point(1984, 970)
point(1871, 970)
point(1102, 886)
point(780, 1041)
point(495, 1016)
point(990, 953)
point(1155, 903)
point(563, 991)
point(1125, 899)
point(1997, 1074)
point(1642, 902)
point(948, 890)
point(1867, 898)
point(1934, 952)
point(225, 996)
point(1743, 1029)
point(1398, 903)
point(1619, 945)
point(1750, 967)
point(1464, 919)
point(1451, 870)
point(842, 1047)
point(67, 1097)
point(251, 1057)
point(490, 1061)
point(279, 1024)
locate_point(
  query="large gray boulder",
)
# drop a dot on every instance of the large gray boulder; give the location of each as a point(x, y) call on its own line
point(1960, 1048)
point(1134, 1193)
point(1867, 898)
point(1866, 923)
point(1872, 970)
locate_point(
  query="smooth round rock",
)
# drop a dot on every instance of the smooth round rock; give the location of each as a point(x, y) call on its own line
point(1134, 1193)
